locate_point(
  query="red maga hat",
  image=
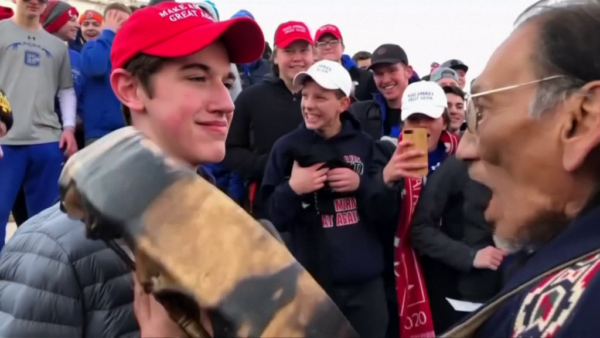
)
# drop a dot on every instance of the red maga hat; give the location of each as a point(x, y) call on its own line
point(172, 29)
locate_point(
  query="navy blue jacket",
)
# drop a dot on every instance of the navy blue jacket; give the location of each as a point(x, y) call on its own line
point(228, 181)
point(253, 73)
point(355, 251)
point(565, 303)
point(102, 110)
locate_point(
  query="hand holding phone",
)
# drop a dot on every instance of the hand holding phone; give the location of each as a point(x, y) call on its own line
point(409, 159)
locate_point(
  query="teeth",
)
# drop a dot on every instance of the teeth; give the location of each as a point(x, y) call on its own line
point(312, 118)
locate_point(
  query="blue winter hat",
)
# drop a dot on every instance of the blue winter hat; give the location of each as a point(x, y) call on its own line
point(243, 13)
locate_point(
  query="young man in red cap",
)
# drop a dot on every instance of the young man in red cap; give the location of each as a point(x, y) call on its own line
point(329, 45)
point(171, 71)
point(268, 110)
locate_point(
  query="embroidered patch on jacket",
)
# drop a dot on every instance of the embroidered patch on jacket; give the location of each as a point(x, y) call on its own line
point(548, 305)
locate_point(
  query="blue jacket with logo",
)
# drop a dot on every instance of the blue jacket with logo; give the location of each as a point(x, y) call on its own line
point(101, 109)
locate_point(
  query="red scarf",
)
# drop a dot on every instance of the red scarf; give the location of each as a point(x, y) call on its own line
point(413, 303)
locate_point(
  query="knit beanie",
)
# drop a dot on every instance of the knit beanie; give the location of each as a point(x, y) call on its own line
point(90, 15)
point(6, 13)
point(56, 15)
point(243, 14)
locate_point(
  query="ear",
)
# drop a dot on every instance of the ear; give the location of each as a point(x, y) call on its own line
point(580, 132)
point(125, 87)
point(409, 71)
point(345, 104)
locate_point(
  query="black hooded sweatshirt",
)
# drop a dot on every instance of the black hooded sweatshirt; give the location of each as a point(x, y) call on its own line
point(330, 233)
point(264, 112)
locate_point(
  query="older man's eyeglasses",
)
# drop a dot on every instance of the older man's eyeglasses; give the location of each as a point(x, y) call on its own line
point(473, 113)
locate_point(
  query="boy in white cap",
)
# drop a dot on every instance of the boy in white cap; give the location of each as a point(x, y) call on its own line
point(315, 185)
point(395, 192)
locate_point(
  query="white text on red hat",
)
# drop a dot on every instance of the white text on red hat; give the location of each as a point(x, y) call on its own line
point(184, 11)
point(294, 28)
point(328, 28)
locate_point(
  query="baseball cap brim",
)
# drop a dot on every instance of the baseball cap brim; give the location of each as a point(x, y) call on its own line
point(462, 67)
point(434, 112)
point(321, 80)
point(321, 35)
point(385, 62)
point(242, 37)
point(286, 42)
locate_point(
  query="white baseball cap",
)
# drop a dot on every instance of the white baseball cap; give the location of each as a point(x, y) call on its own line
point(329, 75)
point(424, 97)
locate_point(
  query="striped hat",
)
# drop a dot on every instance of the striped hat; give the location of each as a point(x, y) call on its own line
point(56, 15)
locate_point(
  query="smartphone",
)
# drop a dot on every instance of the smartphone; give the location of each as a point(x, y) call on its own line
point(419, 138)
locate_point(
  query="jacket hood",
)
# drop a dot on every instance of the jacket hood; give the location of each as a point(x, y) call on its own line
point(248, 67)
point(414, 78)
point(243, 14)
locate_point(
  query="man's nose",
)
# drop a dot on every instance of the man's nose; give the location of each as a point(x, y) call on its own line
point(297, 55)
point(468, 147)
point(221, 101)
point(385, 78)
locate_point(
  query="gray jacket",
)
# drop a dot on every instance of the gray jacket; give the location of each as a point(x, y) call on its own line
point(56, 283)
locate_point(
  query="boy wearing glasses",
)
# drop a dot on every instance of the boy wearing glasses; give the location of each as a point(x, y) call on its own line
point(35, 68)
point(330, 46)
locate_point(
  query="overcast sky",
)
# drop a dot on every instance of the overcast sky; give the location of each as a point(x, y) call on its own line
point(429, 30)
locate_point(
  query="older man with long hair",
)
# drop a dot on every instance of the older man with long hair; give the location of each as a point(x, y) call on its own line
point(534, 140)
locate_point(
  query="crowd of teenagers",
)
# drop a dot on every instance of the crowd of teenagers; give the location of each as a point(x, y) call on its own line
point(499, 238)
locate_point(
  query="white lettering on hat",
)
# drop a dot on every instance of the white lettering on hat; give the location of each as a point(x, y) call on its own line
point(323, 69)
point(183, 11)
point(294, 28)
point(328, 28)
point(420, 96)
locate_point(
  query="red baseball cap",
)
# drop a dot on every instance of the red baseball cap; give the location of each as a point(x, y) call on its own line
point(172, 29)
point(291, 31)
point(328, 29)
